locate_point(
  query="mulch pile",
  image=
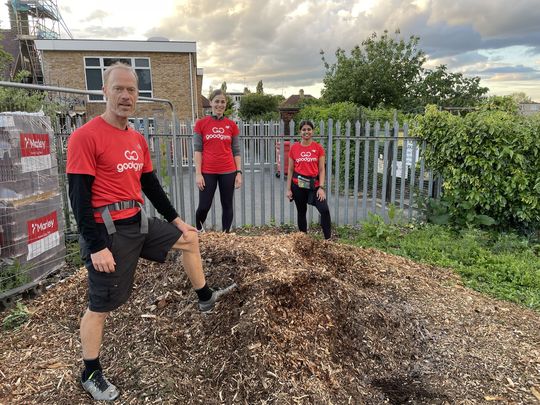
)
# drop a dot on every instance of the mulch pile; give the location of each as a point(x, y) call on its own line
point(311, 322)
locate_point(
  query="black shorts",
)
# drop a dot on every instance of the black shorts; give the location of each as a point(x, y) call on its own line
point(108, 291)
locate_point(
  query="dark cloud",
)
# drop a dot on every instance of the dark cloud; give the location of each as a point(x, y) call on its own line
point(262, 40)
point(279, 42)
point(510, 69)
point(461, 60)
point(490, 17)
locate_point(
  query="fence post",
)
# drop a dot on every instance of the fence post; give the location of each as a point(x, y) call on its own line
point(357, 128)
point(346, 180)
point(329, 159)
point(337, 176)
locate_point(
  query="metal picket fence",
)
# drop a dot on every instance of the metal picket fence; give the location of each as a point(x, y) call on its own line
point(371, 169)
point(375, 169)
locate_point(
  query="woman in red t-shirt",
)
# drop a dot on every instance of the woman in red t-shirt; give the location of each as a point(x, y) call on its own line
point(306, 177)
point(217, 161)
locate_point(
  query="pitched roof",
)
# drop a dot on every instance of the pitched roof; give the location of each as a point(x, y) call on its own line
point(294, 100)
point(205, 102)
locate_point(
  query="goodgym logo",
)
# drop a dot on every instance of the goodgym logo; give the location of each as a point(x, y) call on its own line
point(132, 164)
point(306, 157)
point(131, 155)
point(218, 133)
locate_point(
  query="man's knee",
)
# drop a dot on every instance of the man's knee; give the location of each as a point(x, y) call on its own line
point(93, 317)
point(189, 241)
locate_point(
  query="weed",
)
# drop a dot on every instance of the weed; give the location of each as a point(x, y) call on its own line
point(16, 317)
point(12, 275)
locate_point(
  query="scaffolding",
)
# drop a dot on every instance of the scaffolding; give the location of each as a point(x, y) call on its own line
point(32, 20)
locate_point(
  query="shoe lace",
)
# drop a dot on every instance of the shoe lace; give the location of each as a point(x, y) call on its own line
point(100, 381)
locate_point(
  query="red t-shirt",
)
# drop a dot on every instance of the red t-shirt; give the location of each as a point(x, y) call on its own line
point(217, 136)
point(306, 159)
point(116, 158)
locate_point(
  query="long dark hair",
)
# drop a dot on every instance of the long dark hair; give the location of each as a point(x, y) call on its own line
point(306, 122)
point(218, 92)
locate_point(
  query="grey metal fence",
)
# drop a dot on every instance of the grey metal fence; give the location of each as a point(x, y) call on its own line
point(371, 168)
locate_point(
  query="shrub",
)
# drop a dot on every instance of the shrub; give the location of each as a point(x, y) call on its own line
point(490, 163)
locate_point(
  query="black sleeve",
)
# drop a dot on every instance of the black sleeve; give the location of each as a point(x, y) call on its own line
point(80, 196)
point(155, 193)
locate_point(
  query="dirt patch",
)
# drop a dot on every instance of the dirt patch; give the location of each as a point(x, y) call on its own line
point(312, 322)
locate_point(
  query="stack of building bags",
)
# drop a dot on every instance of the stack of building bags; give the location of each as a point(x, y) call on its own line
point(31, 218)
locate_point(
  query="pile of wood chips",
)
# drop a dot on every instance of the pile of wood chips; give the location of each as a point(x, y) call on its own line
point(311, 322)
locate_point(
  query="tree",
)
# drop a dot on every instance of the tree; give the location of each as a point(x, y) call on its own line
point(388, 72)
point(5, 61)
point(247, 91)
point(446, 89)
point(381, 72)
point(256, 106)
point(260, 89)
point(521, 98)
point(224, 87)
point(14, 99)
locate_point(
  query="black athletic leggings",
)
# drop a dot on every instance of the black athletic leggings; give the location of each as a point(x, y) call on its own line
point(206, 196)
point(301, 196)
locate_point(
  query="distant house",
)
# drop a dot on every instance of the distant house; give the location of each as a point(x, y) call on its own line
point(236, 97)
point(166, 69)
point(290, 107)
point(206, 106)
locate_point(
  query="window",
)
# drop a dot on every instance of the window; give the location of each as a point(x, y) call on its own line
point(138, 124)
point(95, 66)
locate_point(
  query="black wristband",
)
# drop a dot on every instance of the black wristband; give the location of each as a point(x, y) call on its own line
point(239, 171)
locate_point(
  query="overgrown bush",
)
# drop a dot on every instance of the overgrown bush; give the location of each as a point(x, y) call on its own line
point(490, 163)
point(342, 112)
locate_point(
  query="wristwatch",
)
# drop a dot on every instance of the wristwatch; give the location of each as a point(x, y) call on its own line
point(321, 187)
point(239, 171)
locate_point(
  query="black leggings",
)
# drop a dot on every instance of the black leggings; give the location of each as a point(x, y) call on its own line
point(301, 196)
point(206, 196)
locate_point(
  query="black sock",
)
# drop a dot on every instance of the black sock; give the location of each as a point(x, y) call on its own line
point(89, 367)
point(204, 293)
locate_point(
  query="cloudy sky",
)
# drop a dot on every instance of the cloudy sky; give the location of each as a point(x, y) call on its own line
point(279, 41)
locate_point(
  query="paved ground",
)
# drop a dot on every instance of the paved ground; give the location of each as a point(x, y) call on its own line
point(261, 200)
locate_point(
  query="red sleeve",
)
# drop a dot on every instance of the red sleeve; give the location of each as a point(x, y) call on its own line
point(321, 150)
point(81, 154)
point(199, 127)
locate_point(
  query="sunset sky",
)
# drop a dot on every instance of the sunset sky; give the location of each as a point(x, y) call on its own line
point(279, 42)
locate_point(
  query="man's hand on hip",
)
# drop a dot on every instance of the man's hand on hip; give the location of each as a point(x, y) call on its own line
point(103, 261)
point(184, 228)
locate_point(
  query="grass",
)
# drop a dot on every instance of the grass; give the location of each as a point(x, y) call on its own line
point(503, 265)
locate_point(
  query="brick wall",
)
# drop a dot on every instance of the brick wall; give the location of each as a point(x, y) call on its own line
point(170, 80)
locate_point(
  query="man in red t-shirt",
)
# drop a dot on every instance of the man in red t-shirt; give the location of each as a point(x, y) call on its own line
point(108, 167)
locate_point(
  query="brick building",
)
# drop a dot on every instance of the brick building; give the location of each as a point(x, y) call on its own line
point(166, 69)
point(290, 107)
